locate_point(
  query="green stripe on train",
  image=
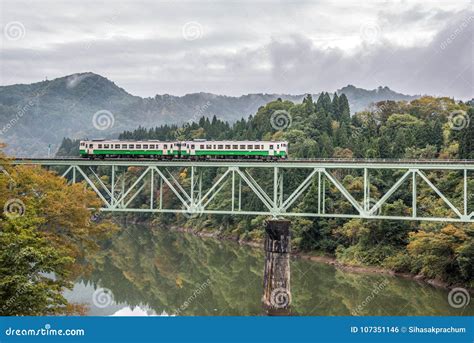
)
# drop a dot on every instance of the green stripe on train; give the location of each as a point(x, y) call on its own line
point(232, 153)
point(127, 152)
point(183, 153)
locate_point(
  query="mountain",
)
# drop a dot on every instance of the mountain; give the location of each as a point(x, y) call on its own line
point(360, 99)
point(38, 115)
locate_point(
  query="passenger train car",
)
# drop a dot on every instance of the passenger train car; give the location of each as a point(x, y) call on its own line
point(192, 150)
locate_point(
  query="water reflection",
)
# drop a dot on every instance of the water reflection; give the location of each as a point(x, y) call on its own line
point(158, 272)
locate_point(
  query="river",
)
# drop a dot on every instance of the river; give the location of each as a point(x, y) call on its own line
point(161, 272)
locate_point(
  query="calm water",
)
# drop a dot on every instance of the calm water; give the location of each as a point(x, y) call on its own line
point(162, 272)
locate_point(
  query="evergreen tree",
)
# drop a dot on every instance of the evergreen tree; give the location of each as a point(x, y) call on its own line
point(336, 108)
point(323, 104)
point(344, 110)
point(309, 104)
point(466, 139)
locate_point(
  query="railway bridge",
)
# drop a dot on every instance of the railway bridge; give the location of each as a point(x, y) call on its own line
point(276, 186)
point(274, 189)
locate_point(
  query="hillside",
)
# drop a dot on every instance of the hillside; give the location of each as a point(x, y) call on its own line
point(36, 115)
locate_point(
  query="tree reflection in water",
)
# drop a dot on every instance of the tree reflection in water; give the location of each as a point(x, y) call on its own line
point(163, 272)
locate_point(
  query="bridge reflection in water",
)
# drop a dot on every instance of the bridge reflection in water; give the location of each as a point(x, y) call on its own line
point(274, 189)
point(160, 270)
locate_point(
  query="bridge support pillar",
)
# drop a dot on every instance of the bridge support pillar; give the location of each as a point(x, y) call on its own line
point(276, 280)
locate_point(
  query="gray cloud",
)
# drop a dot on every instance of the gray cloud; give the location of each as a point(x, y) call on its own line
point(245, 47)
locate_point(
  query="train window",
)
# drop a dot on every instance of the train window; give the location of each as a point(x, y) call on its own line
point(278, 146)
point(214, 146)
point(227, 147)
point(249, 146)
point(257, 147)
point(192, 146)
point(100, 146)
point(235, 146)
point(201, 146)
point(242, 146)
point(166, 146)
point(106, 146)
point(145, 146)
point(208, 146)
point(271, 146)
point(220, 147)
point(117, 146)
point(91, 146)
point(124, 146)
point(139, 146)
point(130, 146)
point(152, 146)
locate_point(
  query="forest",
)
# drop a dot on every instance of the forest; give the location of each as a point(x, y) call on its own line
point(47, 227)
point(425, 128)
point(46, 239)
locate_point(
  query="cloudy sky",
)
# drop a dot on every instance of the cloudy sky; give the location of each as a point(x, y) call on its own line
point(239, 47)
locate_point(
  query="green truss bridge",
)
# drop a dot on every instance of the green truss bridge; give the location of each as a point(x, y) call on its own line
point(275, 189)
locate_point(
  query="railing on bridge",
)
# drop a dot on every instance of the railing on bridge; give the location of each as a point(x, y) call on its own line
point(276, 188)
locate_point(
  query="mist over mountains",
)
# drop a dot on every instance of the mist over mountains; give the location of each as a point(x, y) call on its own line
point(35, 116)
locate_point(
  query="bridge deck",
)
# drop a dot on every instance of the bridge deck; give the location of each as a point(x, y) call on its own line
point(291, 163)
point(277, 198)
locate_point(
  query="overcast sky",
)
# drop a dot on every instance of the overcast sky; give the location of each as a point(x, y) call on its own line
point(240, 47)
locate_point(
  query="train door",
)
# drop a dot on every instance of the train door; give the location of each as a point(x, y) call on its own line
point(165, 149)
point(90, 149)
point(177, 149)
point(271, 149)
point(192, 150)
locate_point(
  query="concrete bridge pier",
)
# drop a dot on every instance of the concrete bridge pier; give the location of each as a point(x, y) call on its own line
point(276, 280)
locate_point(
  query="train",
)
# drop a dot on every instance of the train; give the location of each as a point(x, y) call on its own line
point(198, 149)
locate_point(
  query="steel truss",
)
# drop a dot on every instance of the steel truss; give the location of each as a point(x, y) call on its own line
point(120, 191)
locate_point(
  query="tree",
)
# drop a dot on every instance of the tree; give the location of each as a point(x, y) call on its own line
point(309, 104)
point(323, 104)
point(45, 231)
point(336, 108)
point(344, 110)
point(436, 254)
point(466, 139)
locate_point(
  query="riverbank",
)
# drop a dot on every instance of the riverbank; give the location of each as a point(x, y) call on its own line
point(330, 260)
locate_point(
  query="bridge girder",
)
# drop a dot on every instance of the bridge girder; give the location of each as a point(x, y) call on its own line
point(120, 191)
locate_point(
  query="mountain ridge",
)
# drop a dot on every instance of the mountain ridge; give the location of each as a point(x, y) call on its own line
point(34, 116)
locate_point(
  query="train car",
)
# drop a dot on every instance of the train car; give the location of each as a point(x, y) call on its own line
point(122, 148)
point(204, 149)
point(193, 150)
